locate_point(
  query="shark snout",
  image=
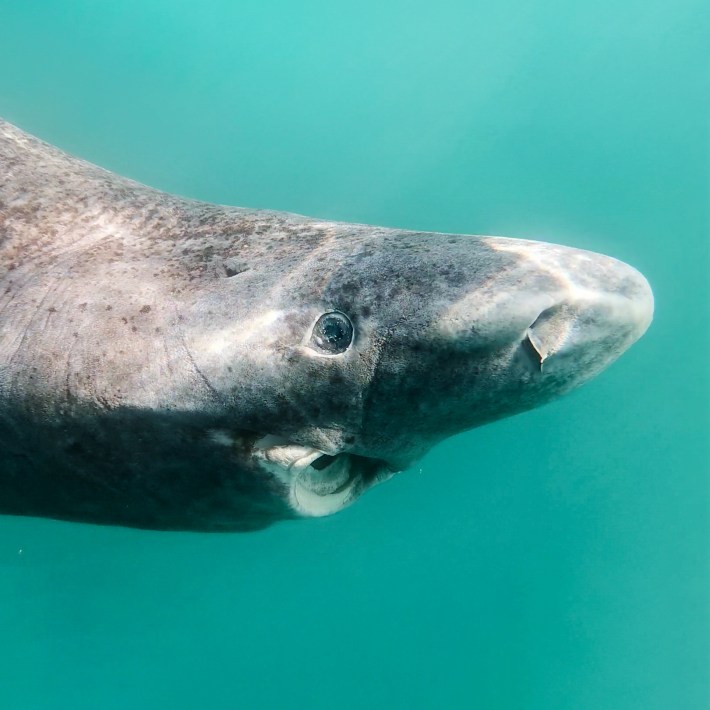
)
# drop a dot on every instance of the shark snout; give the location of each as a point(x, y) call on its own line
point(600, 307)
point(569, 312)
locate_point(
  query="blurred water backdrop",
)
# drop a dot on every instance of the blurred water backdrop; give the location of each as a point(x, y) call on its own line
point(558, 559)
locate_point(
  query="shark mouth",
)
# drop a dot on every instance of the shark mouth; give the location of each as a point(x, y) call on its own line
point(317, 483)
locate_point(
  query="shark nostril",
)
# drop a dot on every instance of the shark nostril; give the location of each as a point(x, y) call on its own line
point(533, 350)
point(535, 344)
point(545, 316)
point(548, 334)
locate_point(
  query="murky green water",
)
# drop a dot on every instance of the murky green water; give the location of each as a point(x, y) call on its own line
point(560, 559)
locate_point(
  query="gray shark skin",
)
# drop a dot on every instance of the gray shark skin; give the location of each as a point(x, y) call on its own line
point(176, 365)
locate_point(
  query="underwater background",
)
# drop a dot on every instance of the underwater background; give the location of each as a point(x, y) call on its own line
point(557, 559)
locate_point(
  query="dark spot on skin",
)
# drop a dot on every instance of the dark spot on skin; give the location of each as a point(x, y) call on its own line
point(363, 254)
point(230, 369)
point(366, 311)
point(232, 267)
point(134, 329)
point(109, 308)
point(124, 319)
point(75, 448)
point(82, 306)
point(145, 309)
point(52, 309)
point(336, 378)
point(157, 330)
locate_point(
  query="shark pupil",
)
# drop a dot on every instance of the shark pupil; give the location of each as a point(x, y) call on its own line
point(333, 332)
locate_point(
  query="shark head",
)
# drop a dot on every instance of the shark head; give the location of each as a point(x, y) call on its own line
point(377, 344)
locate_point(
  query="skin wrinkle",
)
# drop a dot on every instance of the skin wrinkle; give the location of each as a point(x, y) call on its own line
point(213, 392)
point(26, 330)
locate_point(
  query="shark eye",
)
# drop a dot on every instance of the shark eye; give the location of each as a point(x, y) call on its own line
point(332, 333)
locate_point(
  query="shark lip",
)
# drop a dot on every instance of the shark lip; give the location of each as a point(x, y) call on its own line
point(318, 483)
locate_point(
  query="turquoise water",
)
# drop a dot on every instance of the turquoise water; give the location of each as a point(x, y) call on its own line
point(559, 559)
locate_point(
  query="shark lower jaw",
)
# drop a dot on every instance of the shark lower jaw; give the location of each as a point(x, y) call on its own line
point(318, 483)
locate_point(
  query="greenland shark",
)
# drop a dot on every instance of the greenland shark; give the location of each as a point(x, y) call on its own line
point(176, 365)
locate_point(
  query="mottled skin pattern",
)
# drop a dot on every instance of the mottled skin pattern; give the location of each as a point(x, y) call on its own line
point(155, 351)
